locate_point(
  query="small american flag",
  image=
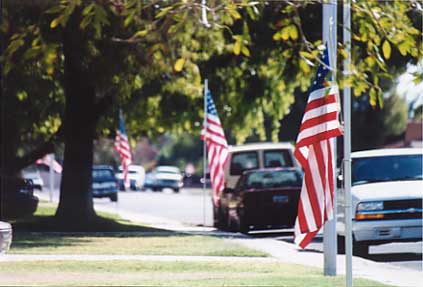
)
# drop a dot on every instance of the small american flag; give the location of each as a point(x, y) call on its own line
point(122, 147)
point(217, 147)
point(314, 152)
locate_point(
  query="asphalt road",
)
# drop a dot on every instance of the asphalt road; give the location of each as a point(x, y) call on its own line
point(193, 206)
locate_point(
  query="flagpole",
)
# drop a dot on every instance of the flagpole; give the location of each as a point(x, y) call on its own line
point(329, 232)
point(347, 144)
point(206, 88)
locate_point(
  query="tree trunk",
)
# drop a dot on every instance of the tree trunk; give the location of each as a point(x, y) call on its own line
point(76, 203)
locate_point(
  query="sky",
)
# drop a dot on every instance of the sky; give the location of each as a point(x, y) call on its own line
point(407, 88)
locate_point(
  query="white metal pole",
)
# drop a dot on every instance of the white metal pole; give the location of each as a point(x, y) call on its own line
point(51, 177)
point(206, 88)
point(347, 144)
point(329, 233)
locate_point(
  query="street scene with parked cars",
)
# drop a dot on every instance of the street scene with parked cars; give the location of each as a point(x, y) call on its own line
point(211, 143)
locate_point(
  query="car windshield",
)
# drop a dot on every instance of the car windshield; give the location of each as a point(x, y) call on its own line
point(386, 168)
point(102, 173)
point(272, 179)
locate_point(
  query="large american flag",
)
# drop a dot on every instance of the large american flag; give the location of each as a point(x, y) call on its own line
point(314, 152)
point(217, 147)
point(122, 147)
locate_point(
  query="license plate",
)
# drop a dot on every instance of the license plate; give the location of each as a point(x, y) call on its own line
point(280, 199)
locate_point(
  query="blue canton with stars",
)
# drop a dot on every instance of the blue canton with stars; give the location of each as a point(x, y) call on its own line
point(322, 72)
point(211, 108)
point(121, 123)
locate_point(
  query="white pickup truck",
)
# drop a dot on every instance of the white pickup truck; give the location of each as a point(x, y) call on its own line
point(387, 194)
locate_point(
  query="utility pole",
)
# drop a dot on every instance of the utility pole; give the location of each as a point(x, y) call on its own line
point(347, 144)
point(329, 232)
point(206, 88)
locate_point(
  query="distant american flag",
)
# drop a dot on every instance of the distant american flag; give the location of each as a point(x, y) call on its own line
point(217, 147)
point(314, 152)
point(123, 148)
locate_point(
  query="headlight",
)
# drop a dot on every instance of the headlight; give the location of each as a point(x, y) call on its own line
point(369, 206)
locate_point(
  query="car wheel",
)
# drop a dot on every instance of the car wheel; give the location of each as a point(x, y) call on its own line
point(114, 197)
point(176, 190)
point(219, 219)
point(360, 248)
point(231, 224)
point(243, 226)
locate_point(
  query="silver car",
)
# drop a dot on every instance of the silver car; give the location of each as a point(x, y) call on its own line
point(5, 236)
point(387, 194)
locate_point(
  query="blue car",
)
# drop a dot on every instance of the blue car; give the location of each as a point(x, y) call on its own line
point(104, 182)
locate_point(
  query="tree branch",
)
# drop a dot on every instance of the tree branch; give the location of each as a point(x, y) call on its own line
point(45, 148)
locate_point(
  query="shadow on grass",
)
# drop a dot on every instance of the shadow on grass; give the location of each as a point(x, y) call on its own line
point(47, 231)
point(39, 223)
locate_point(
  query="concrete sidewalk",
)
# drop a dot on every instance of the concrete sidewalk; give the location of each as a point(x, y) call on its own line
point(288, 253)
point(280, 251)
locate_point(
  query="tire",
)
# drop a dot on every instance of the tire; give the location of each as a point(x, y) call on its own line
point(114, 197)
point(231, 225)
point(219, 219)
point(243, 226)
point(176, 190)
point(360, 248)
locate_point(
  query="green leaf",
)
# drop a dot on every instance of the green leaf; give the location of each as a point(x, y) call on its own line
point(293, 32)
point(234, 13)
point(237, 47)
point(87, 10)
point(304, 67)
point(386, 48)
point(179, 64)
point(54, 23)
point(285, 33)
point(140, 34)
point(245, 51)
point(163, 12)
point(55, 9)
point(373, 96)
point(137, 82)
point(307, 55)
point(231, 8)
point(402, 48)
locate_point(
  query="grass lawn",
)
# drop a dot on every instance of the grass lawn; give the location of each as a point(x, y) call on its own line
point(123, 273)
point(127, 244)
point(114, 236)
point(120, 238)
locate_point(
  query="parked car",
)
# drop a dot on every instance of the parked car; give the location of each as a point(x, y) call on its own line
point(387, 194)
point(262, 199)
point(255, 156)
point(17, 198)
point(104, 182)
point(165, 177)
point(5, 236)
point(34, 175)
point(136, 177)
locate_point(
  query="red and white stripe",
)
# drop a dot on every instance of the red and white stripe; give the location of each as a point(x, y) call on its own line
point(121, 146)
point(217, 153)
point(314, 152)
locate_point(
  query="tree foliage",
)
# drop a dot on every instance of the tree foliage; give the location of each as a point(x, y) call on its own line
point(150, 58)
